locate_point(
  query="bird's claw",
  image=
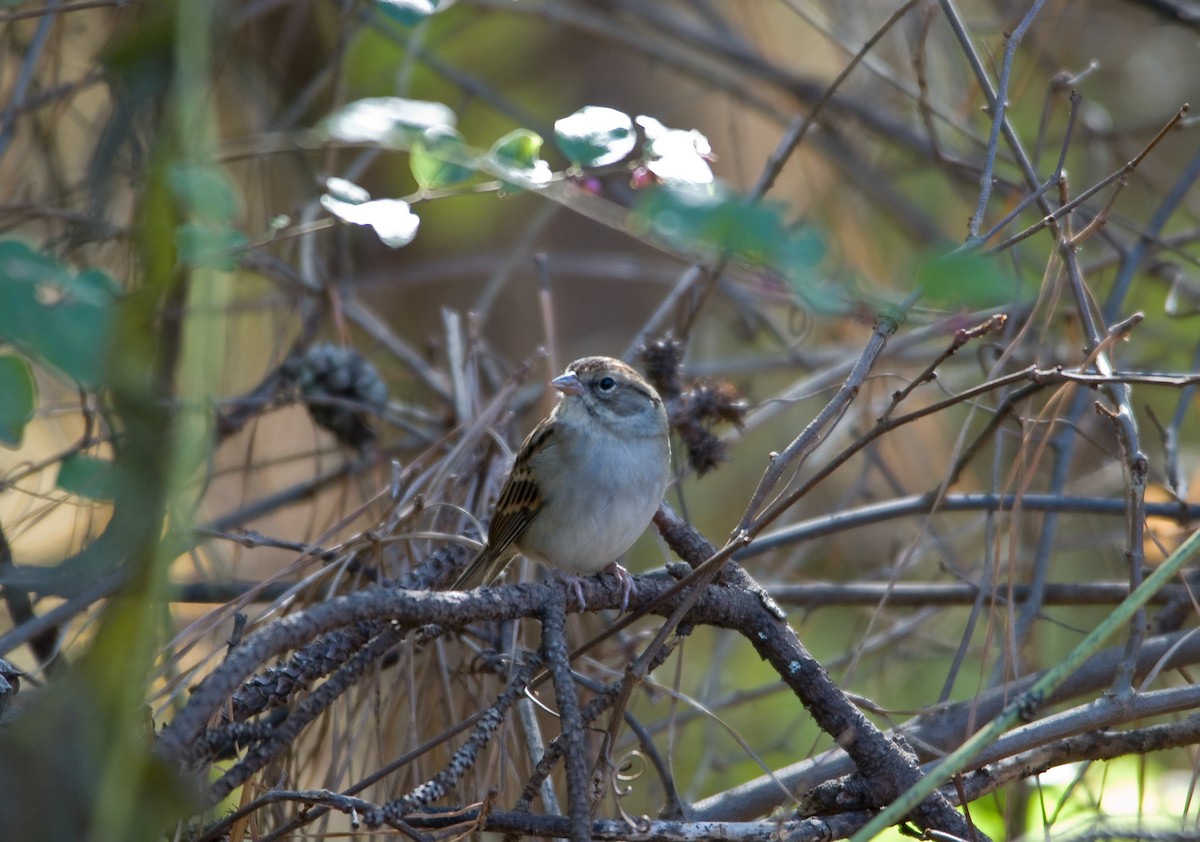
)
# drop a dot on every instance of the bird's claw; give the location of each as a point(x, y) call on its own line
point(575, 583)
point(625, 581)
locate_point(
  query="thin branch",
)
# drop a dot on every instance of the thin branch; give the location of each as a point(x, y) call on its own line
point(998, 102)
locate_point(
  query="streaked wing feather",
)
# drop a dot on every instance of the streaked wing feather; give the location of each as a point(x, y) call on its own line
point(465, 579)
point(520, 500)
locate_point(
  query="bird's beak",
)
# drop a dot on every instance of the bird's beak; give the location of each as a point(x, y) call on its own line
point(568, 384)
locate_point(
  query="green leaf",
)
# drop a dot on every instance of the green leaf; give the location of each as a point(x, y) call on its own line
point(212, 246)
point(519, 148)
point(408, 12)
point(595, 136)
point(516, 155)
point(96, 287)
point(439, 158)
point(87, 476)
point(205, 191)
point(20, 263)
point(973, 281)
point(18, 397)
point(59, 319)
point(389, 121)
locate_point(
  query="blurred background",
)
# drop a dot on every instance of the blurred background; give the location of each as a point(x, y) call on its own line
point(173, 251)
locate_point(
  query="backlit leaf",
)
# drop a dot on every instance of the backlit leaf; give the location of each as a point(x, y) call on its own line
point(678, 157)
point(595, 136)
point(388, 121)
point(394, 223)
point(516, 155)
point(408, 12)
point(439, 158)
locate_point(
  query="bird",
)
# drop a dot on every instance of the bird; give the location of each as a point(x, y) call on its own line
point(585, 483)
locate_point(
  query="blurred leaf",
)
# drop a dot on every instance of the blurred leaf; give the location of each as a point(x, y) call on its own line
point(517, 154)
point(519, 148)
point(681, 169)
point(595, 136)
point(438, 158)
point(714, 218)
point(408, 12)
point(213, 246)
point(973, 281)
point(18, 397)
point(58, 751)
point(87, 476)
point(798, 257)
point(826, 297)
point(347, 191)
point(394, 222)
point(677, 156)
point(20, 263)
point(389, 121)
point(62, 320)
point(96, 287)
point(204, 190)
point(803, 248)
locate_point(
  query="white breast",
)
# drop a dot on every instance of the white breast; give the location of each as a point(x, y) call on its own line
point(598, 502)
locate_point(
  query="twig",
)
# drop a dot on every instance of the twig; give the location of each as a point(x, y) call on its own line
point(941, 728)
point(887, 768)
point(961, 337)
point(554, 644)
point(923, 504)
point(1116, 176)
point(1026, 704)
point(813, 433)
point(33, 54)
point(998, 118)
point(814, 595)
point(800, 124)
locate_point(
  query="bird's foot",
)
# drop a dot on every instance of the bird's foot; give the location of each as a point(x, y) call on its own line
point(625, 581)
point(575, 583)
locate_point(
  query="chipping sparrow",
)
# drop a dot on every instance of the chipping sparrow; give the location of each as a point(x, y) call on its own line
point(586, 481)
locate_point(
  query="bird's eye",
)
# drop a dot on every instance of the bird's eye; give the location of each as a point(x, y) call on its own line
point(606, 384)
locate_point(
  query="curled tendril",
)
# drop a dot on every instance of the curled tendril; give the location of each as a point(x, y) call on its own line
point(531, 696)
point(632, 767)
point(629, 770)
